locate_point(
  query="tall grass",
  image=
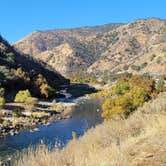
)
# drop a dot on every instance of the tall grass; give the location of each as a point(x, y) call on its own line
point(139, 140)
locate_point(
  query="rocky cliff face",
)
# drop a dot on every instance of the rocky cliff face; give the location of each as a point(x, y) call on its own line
point(137, 47)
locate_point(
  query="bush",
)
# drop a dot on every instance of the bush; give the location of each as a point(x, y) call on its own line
point(136, 68)
point(160, 85)
point(127, 95)
point(121, 88)
point(2, 92)
point(59, 107)
point(54, 105)
point(39, 114)
point(24, 96)
point(126, 67)
point(143, 65)
point(2, 102)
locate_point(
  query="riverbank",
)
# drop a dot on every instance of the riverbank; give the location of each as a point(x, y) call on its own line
point(137, 140)
point(14, 120)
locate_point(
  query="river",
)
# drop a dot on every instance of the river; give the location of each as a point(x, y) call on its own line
point(85, 115)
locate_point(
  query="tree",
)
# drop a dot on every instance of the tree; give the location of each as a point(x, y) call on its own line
point(21, 74)
point(44, 88)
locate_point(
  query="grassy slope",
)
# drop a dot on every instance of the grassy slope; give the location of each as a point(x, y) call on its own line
point(139, 140)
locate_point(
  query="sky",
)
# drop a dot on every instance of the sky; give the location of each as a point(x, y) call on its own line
point(18, 18)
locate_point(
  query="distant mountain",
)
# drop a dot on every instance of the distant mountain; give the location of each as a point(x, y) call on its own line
point(137, 47)
point(53, 43)
point(18, 71)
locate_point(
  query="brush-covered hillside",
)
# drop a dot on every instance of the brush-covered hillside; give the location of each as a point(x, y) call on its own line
point(137, 48)
point(22, 72)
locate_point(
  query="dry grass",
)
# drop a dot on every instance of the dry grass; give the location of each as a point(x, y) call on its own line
point(139, 140)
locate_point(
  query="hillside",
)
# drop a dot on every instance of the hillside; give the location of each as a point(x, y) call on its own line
point(51, 45)
point(137, 47)
point(19, 72)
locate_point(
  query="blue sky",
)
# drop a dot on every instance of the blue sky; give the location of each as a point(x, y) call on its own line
point(21, 17)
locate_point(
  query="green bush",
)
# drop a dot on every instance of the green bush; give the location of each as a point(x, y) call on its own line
point(121, 88)
point(127, 95)
point(24, 96)
point(2, 92)
point(2, 102)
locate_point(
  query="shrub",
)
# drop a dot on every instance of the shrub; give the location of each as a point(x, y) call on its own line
point(1, 115)
point(160, 85)
point(121, 88)
point(143, 65)
point(16, 113)
point(108, 104)
point(139, 96)
point(2, 92)
point(39, 114)
point(59, 107)
point(24, 96)
point(125, 67)
point(136, 68)
point(114, 110)
point(2, 102)
point(127, 95)
point(54, 105)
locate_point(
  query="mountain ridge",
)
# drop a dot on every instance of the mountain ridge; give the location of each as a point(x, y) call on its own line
point(116, 49)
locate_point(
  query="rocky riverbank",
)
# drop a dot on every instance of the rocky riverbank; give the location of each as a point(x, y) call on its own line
point(13, 119)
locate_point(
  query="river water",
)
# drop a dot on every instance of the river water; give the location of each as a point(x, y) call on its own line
point(85, 115)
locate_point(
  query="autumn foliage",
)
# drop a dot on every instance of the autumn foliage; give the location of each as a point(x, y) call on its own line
point(127, 95)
